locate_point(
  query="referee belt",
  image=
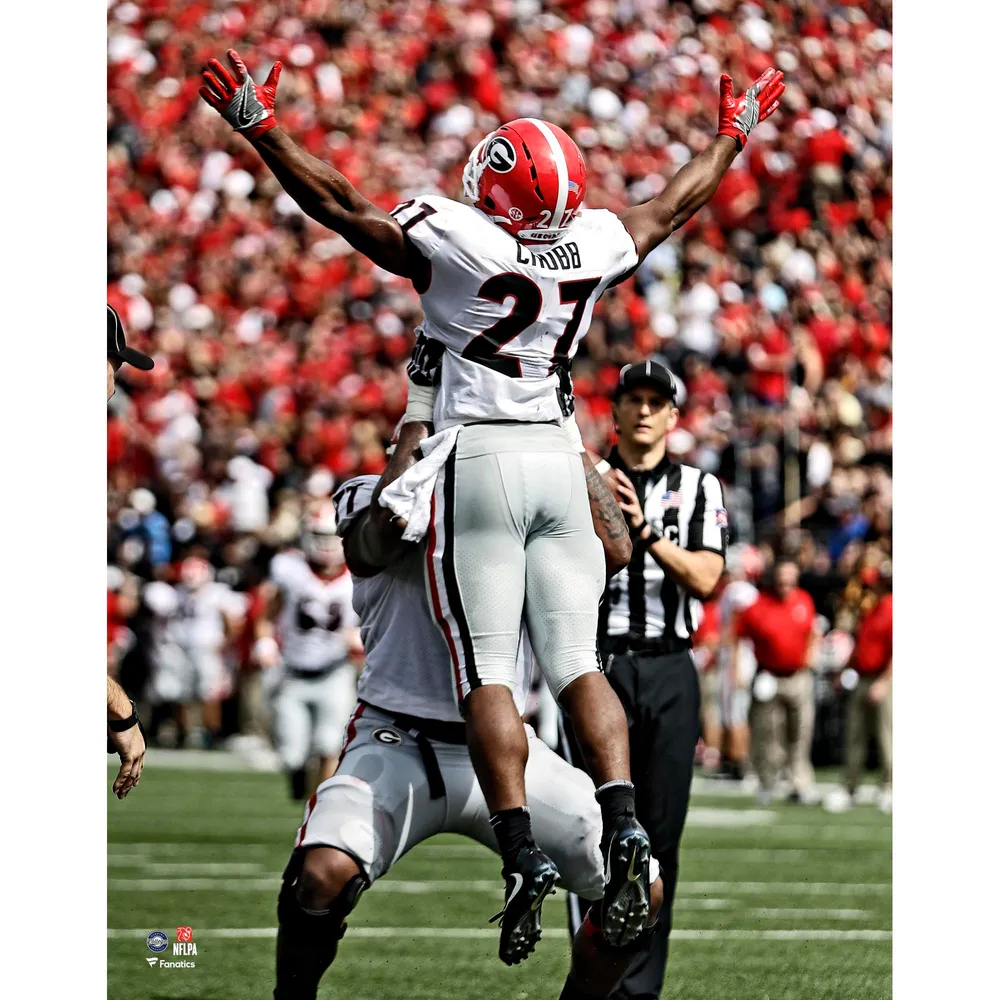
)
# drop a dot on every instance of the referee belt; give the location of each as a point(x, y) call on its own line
point(617, 645)
point(423, 731)
point(313, 673)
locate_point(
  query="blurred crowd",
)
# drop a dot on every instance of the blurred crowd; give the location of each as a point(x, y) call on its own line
point(280, 352)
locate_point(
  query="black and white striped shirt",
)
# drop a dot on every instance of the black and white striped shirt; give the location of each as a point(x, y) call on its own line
point(684, 505)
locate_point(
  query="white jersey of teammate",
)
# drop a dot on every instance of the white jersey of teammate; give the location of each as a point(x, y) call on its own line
point(187, 639)
point(316, 613)
point(406, 660)
point(510, 316)
point(194, 620)
point(735, 598)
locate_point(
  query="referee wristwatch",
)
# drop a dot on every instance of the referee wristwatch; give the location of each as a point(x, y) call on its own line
point(654, 535)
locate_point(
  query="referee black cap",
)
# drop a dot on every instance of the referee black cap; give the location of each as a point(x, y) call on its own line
point(646, 373)
point(118, 350)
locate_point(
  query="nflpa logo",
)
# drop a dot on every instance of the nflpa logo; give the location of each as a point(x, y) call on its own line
point(185, 942)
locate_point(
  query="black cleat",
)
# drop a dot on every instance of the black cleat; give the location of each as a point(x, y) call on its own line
point(626, 882)
point(529, 881)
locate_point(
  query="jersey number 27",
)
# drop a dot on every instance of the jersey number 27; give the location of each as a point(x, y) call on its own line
point(485, 349)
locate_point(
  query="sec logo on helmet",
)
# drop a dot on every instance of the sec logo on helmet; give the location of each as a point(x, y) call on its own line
point(501, 155)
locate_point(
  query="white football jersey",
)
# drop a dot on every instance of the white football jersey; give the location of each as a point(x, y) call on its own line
point(736, 597)
point(510, 316)
point(315, 613)
point(193, 619)
point(407, 664)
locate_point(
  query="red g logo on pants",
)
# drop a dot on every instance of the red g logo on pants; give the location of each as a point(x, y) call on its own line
point(185, 934)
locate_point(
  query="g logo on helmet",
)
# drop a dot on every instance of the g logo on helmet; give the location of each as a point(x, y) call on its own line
point(500, 155)
point(387, 736)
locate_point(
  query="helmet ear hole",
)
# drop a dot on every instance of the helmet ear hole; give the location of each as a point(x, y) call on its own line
point(489, 203)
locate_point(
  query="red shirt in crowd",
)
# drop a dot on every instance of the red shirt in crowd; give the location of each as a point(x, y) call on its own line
point(780, 631)
point(709, 633)
point(873, 644)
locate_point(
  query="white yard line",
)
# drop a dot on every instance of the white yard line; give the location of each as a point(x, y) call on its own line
point(816, 837)
point(793, 914)
point(793, 888)
point(714, 816)
point(150, 868)
point(684, 889)
point(475, 933)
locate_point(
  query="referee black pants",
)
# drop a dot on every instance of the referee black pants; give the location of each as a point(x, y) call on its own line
point(662, 702)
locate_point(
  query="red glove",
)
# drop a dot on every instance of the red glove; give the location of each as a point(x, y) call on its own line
point(247, 107)
point(738, 117)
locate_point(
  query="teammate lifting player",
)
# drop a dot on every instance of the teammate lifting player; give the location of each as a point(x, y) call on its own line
point(508, 288)
point(406, 773)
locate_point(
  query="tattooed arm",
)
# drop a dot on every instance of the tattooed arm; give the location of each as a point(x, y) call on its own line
point(609, 523)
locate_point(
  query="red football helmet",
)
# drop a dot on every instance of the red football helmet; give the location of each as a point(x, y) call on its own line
point(529, 177)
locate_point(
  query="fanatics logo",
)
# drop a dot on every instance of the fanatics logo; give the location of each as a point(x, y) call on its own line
point(672, 500)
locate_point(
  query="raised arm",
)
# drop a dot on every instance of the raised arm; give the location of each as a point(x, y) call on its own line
point(374, 539)
point(694, 184)
point(321, 192)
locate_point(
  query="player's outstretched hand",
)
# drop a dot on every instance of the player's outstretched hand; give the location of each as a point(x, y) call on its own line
point(131, 748)
point(737, 117)
point(247, 107)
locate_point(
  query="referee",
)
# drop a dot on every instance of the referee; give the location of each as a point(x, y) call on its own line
point(651, 609)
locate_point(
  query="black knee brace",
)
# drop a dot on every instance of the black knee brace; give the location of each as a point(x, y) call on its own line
point(307, 942)
point(291, 913)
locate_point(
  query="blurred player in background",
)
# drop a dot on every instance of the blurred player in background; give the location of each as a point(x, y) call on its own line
point(194, 624)
point(736, 663)
point(706, 645)
point(125, 735)
point(305, 643)
point(527, 260)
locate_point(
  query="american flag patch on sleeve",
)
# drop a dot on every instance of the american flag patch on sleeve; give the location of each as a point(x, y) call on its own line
point(672, 499)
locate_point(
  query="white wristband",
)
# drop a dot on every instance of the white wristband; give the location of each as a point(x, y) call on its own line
point(603, 467)
point(419, 403)
point(573, 432)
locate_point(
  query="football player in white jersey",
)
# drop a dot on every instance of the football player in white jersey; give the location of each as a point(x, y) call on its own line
point(508, 286)
point(736, 661)
point(306, 642)
point(194, 622)
point(406, 774)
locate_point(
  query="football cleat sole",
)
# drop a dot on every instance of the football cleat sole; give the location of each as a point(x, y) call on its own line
point(519, 935)
point(626, 897)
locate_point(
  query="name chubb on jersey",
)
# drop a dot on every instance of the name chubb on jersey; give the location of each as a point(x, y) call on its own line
point(561, 258)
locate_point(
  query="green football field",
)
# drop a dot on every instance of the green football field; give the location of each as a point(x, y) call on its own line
point(783, 903)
